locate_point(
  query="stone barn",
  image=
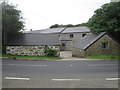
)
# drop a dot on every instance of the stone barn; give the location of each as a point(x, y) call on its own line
point(67, 35)
point(93, 45)
point(32, 44)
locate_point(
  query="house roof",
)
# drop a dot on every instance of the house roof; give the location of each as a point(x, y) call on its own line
point(34, 39)
point(50, 30)
point(76, 30)
point(89, 39)
point(34, 31)
point(62, 30)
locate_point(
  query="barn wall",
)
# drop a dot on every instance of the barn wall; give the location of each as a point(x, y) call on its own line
point(96, 49)
point(29, 50)
point(78, 53)
point(68, 41)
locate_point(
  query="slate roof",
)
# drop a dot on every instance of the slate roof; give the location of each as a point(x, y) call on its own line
point(76, 30)
point(89, 39)
point(45, 31)
point(62, 30)
point(34, 39)
point(34, 31)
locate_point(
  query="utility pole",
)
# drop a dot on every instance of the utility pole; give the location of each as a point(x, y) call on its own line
point(0, 28)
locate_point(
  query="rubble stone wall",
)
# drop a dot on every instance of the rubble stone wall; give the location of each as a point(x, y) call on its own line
point(30, 50)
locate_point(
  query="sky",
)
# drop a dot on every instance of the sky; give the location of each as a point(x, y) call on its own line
point(41, 14)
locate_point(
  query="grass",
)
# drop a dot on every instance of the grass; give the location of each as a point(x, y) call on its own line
point(103, 57)
point(34, 57)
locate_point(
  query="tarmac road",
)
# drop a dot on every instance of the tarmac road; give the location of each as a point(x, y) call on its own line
point(60, 74)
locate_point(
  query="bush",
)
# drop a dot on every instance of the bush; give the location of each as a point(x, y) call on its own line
point(50, 51)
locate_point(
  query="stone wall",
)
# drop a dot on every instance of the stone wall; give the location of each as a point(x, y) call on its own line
point(96, 49)
point(76, 52)
point(29, 50)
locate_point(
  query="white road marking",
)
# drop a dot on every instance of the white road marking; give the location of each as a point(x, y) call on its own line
point(26, 65)
point(66, 79)
point(112, 79)
point(95, 65)
point(71, 65)
point(17, 78)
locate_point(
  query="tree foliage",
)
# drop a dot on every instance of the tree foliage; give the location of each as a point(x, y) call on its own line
point(107, 18)
point(12, 21)
point(68, 25)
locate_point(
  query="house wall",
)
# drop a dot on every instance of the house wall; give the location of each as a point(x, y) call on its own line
point(65, 38)
point(76, 36)
point(96, 49)
point(76, 52)
point(67, 45)
point(30, 50)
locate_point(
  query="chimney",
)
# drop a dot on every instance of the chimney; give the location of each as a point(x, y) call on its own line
point(30, 29)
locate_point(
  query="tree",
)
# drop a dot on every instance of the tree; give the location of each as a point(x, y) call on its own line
point(68, 25)
point(12, 22)
point(107, 18)
point(82, 24)
point(54, 26)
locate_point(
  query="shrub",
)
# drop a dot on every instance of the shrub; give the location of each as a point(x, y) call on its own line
point(50, 51)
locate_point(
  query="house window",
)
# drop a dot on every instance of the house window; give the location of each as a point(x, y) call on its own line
point(63, 44)
point(104, 45)
point(71, 36)
point(83, 35)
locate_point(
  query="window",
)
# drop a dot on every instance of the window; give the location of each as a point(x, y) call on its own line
point(71, 36)
point(83, 35)
point(104, 45)
point(63, 44)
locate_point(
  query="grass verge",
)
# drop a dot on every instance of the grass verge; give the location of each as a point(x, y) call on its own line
point(34, 57)
point(104, 57)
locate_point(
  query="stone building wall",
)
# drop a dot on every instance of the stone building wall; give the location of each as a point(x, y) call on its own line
point(76, 52)
point(29, 50)
point(96, 49)
point(68, 41)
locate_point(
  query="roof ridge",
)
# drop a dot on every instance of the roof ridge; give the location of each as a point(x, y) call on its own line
point(63, 30)
point(88, 40)
point(99, 36)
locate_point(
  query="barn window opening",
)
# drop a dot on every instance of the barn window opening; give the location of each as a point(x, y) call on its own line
point(63, 44)
point(104, 45)
point(83, 35)
point(71, 36)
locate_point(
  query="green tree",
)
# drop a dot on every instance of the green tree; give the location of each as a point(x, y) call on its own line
point(68, 25)
point(82, 24)
point(58, 26)
point(107, 18)
point(12, 22)
point(54, 26)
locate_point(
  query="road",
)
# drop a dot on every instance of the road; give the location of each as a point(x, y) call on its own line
point(60, 74)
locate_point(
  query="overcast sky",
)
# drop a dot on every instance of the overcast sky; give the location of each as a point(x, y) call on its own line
point(41, 14)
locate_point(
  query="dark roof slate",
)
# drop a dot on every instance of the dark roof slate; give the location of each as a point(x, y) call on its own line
point(76, 30)
point(62, 30)
point(34, 39)
point(46, 31)
point(86, 41)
